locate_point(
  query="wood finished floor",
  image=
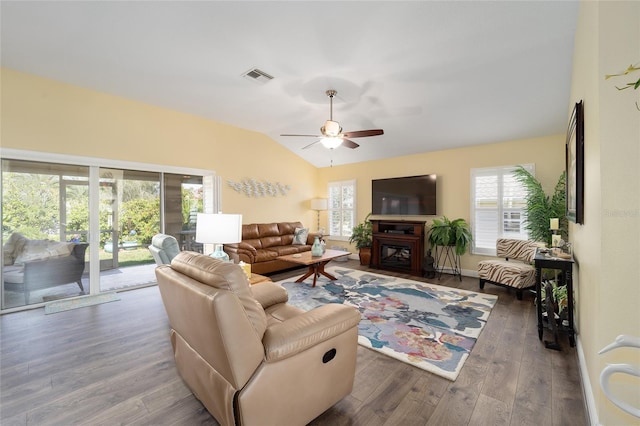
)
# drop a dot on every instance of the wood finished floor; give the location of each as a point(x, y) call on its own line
point(112, 364)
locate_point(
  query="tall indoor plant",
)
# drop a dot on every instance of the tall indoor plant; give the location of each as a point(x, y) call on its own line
point(445, 232)
point(541, 207)
point(362, 237)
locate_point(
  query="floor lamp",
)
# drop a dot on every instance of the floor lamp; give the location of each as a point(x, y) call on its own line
point(219, 229)
point(319, 204)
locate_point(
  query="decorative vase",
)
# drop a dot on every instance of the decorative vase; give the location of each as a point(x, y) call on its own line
point(316, 248)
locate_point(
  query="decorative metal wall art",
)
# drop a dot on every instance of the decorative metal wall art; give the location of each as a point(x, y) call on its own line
point(254, 188)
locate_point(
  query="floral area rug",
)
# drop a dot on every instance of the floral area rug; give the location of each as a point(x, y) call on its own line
point(426, 325)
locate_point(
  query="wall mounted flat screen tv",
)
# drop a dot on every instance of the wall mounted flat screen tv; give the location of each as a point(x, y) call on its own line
point(411, 195)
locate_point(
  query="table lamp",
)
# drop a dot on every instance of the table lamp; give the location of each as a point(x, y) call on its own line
point(219, 229)
point(319, 204)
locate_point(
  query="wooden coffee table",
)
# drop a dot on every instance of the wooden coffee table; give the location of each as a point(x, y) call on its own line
point(316, 264)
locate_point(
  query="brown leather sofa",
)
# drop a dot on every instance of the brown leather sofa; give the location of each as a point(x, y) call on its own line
point(247, 355)
point(262, 243)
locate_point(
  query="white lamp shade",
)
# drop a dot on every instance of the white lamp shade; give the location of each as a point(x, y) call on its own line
point(218, 228)
point(319, 204)
point(331, 143)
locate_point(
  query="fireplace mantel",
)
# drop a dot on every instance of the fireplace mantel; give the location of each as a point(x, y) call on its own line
point(398, 245)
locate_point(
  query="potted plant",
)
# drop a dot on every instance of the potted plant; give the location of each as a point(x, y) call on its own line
point(445, 232)
point(362, 237)
point(560, 299)
point(541, 208)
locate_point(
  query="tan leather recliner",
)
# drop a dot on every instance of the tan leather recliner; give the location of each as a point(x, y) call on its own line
point(247, 355)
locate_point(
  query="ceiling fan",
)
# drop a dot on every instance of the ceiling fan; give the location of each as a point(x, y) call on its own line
point(331, 133)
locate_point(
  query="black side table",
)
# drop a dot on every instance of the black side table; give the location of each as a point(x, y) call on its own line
point(548, 261)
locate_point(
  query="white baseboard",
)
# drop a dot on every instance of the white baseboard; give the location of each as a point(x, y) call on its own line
point(587, 390)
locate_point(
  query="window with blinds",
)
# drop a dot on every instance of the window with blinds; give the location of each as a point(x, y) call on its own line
point(342, 208)
point(498, 203)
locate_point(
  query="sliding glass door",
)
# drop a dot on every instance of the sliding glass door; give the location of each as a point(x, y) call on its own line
point(47, 238)
point(45, 212)
point(129, 215)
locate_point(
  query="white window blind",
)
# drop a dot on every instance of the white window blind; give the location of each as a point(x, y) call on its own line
point(498, 204)
point(342, 207)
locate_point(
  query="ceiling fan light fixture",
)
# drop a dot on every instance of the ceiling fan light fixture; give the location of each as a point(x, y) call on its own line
point(331, 143)
point(332, 136)
point(331, 128)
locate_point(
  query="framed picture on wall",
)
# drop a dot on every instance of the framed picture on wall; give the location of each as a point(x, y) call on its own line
point(575, 165)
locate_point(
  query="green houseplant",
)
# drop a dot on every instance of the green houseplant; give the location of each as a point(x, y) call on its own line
point(362, 237)
point(541, 208)
point(445, 232)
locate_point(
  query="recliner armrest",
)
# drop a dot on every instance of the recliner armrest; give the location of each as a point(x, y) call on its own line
point(307, 330)
point(269, 294)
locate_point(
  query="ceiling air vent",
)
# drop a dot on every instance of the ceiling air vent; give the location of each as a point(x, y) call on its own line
point(259, 76)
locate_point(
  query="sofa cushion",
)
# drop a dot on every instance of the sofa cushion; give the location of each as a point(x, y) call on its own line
point(271, 241)
point(512, 273)
point(288, 228)
point(268, 230)
point(300, 236)
point(510, 248)
point(264, 255)
point(43, 249)
point(255, 243)
point(285, 250)
point(13, 274)
point(13, 247)
point(250, 232)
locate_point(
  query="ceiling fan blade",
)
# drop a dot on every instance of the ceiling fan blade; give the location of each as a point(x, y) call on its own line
point(363, 133)
point(311, 144)
point(304, 136)
point(349, 143)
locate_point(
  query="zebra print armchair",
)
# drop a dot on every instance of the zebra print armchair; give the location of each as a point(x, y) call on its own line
point(516, 271)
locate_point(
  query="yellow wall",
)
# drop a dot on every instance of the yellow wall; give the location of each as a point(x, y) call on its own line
point(47, 116)
point(607, 246)
point(453, 169)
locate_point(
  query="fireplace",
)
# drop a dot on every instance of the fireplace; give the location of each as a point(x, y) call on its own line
point(395, 256)
point(398, 246)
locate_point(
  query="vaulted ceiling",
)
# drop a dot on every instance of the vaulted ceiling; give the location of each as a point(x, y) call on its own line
point(434, 75)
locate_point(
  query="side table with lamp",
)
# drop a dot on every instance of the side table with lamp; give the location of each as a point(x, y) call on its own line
point(219, 229)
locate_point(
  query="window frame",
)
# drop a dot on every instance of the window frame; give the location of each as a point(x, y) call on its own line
point(341, 184)
point(499, 172)
point(211, 196)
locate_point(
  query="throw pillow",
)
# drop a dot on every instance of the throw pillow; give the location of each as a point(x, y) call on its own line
point(300, 236)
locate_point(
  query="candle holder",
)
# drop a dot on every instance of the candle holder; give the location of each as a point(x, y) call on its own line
point(554, 226)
